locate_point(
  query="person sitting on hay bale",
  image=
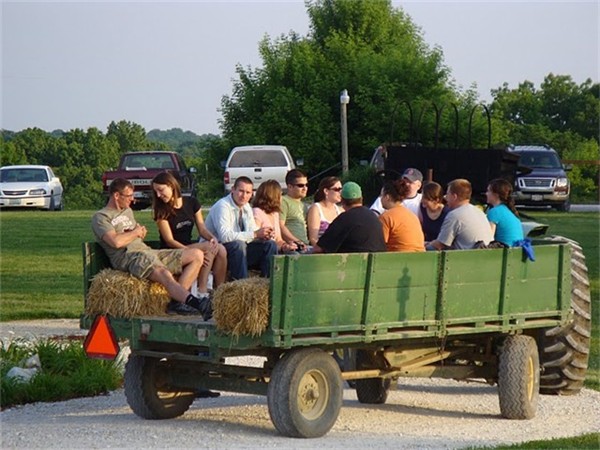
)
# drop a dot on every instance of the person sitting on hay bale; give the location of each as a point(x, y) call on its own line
point(121, 237)
point(231, 220)
point(175, 217)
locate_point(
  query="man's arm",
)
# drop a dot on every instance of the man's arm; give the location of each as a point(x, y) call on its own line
point(120, 240)
point(436, 245)
point(287, 234)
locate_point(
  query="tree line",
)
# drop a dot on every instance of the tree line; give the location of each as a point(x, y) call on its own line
point(399, 87)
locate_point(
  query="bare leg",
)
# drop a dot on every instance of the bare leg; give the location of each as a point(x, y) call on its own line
point(207, 266)
point(191, 260)
point(176, 291)
point(220, 266)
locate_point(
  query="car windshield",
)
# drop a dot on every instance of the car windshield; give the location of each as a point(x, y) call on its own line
point(258, 158)
point(540, 160)
point(22, 175)
point(148, 161)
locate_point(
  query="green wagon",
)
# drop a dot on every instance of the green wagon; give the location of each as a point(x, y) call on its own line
point(370, 319)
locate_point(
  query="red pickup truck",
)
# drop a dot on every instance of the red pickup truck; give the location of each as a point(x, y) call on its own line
point(141, 167)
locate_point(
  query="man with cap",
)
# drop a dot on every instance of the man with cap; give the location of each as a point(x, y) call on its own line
point(413, 201)
point(356, 230)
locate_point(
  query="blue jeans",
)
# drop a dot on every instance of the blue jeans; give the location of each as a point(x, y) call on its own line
point(242, 255)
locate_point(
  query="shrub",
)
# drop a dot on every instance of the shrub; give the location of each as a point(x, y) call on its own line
point(66, 372)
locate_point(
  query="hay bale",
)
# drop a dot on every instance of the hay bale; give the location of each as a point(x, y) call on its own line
point(122, 295)
point(242, 307)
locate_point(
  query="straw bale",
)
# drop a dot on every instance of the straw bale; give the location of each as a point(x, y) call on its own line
point(122, 295)
point(241, 307)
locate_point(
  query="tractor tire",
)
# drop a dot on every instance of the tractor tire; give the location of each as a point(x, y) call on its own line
point(146, 393)
point(518, 377)
point(564, 351)
point(305, 393)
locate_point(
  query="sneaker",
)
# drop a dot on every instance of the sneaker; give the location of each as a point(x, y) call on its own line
point(175, 307)
point(202, 304)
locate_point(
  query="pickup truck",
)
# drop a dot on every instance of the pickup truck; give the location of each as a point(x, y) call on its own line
point(141, 167)
point(487, 314)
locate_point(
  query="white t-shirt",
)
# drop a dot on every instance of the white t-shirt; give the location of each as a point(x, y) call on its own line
point(411, 203)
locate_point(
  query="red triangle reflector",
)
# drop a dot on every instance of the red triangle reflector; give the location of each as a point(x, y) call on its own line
point(100, 342)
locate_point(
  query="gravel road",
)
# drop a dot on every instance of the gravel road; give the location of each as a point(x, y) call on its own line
point(421, 413)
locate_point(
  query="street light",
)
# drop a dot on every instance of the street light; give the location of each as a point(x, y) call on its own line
point(344, 100)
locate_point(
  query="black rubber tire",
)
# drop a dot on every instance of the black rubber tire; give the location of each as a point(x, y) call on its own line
point(564, 351)
point(305, 393)
point(518, 377)
point(144, 386)
point(370, 390)
point(52, 206)
point(564, 207)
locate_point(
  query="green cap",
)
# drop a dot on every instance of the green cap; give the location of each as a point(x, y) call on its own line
point(351, 191)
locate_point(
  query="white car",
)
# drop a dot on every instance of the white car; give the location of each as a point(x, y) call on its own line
point(30, 187)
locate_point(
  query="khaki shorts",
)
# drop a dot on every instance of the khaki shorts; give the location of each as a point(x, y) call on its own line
point(141, 264)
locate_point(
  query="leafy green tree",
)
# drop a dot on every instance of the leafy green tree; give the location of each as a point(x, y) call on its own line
point(129, 136)
point(559, 113)
point(369, 48)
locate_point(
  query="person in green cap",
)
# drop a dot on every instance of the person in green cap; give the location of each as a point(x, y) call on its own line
point(356, 230)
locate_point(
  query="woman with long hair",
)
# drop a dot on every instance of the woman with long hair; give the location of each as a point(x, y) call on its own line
point(266, 207)
point(324, 209)
point(401, 227)
point(433, 210)
point(176, 217)
point(502, 215)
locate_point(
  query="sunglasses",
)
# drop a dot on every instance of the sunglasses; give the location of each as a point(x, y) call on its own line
point(336, 189)
point(301, 185)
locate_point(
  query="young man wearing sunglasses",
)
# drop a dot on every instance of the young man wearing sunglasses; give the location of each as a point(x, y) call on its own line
point(293, 211)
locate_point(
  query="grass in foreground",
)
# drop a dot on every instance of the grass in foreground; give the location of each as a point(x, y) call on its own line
point(585, 441)
point(66, 372)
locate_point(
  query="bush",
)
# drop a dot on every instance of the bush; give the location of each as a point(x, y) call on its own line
point(66, 372)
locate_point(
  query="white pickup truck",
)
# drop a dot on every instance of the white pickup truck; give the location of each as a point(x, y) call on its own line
point(259, 163)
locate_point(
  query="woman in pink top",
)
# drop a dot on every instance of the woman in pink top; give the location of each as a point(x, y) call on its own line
point(266, 206)
point(325, 209)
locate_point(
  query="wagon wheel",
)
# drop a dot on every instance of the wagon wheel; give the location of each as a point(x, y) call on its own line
point(565, 350)
point(305, 393)
point(147, 392)
point(518, 377)
point(370, 390)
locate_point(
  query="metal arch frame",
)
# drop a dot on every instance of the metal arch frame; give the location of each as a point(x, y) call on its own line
point(489, 122)
point(414, 136)
point(411, 128)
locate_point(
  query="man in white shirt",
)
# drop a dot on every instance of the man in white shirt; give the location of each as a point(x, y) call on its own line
point(232, 222)
point(413, 201)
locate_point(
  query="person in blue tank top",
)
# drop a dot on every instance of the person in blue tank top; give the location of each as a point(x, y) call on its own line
point(503, 215)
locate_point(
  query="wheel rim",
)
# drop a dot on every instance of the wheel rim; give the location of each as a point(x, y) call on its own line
point(530, 378)
point(313, 394)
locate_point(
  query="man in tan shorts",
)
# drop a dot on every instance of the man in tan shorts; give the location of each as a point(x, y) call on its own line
point(121, 237)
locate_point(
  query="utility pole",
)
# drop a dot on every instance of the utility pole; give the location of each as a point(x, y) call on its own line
point(344, 100)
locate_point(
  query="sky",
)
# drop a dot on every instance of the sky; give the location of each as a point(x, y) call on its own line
point(167, 65)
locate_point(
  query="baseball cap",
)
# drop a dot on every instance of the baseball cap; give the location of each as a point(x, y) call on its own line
point(412, 175)
point(351, 191)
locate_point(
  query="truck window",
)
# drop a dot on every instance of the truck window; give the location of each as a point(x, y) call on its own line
point(258, 158)
point(540, 160)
